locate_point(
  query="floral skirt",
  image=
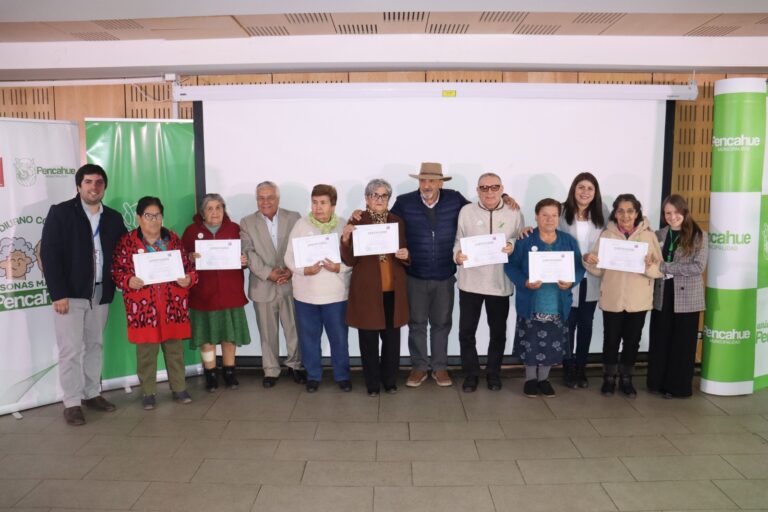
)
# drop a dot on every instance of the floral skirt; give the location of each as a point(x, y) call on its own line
point(214, 327)
point(540, 340)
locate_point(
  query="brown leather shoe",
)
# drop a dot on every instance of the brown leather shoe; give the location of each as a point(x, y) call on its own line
point(415, 378)
point(442, 378)
point(99, 403)
point(74, 416)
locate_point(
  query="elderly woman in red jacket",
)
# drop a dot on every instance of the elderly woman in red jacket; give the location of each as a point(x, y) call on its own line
point(157, 314)
point(216, 302)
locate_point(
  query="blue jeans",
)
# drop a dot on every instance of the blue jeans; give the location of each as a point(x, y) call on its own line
point(580, 323)
point(310, 321)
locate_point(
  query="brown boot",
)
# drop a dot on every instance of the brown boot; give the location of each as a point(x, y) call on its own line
point(74, 416)
point(99, 403)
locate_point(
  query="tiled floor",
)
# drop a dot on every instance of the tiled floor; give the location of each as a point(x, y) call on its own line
point(424, 449)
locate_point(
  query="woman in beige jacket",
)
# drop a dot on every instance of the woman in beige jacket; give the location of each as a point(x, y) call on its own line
point(625, 297)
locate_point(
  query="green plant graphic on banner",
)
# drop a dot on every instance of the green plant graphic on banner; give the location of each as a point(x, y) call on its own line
point(142, 158)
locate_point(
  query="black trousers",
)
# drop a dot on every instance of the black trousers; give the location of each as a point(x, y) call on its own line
point(580, 328)
point(381, 371)
point(497, 311)
point(672, 352)
point(617, 327)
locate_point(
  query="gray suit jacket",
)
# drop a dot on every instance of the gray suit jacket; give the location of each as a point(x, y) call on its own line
point(687, 270)
point(261, 253)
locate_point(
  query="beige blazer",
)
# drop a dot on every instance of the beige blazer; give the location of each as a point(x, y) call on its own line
point(261, 253)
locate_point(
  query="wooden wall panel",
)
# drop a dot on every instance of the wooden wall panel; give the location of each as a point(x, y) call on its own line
point(309, 78)
point(615, 78)
point(27, 102)
point(464, 76)
point(262, 78)
point(541, 77)
point(388, 76)
point(148, 101)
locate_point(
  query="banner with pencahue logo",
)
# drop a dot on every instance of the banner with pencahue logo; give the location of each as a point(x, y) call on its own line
point(142, 158)
point(38, 160)
point(735, 348)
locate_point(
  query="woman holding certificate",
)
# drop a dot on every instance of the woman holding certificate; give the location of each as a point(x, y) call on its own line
point(543, 268)
point(375, 248)
point(678, 299)
point(320, 288)
point(157, 313)
point(216, 302)
point(627, 256)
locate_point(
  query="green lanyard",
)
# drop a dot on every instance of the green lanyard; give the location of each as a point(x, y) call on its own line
point(674, 239)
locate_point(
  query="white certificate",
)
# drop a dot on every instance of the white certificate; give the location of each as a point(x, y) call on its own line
point(484, 250)
point(308, 250)
point(376, 239)
point(218, 254)
point(624, 255)
point(551, 266)
point(158, 267)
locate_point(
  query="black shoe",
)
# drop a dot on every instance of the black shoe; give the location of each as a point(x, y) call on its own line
point(230, 380)
point(373, 393)
point(470, 384)
point(626, 387)
point(269, 382)
point(312, 386)
point(609, 385)
point(581, 377)
point(298, 376)
point(390, 390)
point(211, 380)
point(546, 388)
point(344, 385)
point(74, 416)
point(569, 374)
point(493, 381)
point(531, 388)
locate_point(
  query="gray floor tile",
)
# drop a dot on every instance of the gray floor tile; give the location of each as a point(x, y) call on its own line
point(680, 467)
point(226, 448)
point(46, 466)
point(361, 431)
point(199, 496)
point(276, 472)
point(346, 473)
point(756, 403)
point(166, 407)
point(140, 469)
point(574, 471)
point(507, 404)
point(667, 495)
point(719, 444)
point(425, 403)
point(274, 405)
point(746, 493)
point(82, 494)
point(724, 424)
point(316, 499)
point(354, 406)
point(133, 446)
point(326, 450)
point(426, 450)
point(548, 498)
point(638, 426)
point(522, 429)
point(432, 499)
point(447, 430)
point(61, 444)
point(270, 430)
point(11, 491)
point(96, 423)
point(28, 424)
point(154, 427)
point(624, 446)
point(589, 403)
point(656, 405)
point(750, 465)
point(466, 473)
point(513, 449)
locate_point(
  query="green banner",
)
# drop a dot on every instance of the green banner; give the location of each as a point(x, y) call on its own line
point(142, 158)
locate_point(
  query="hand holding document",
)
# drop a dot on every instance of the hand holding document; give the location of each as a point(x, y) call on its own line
point(218, 254)
point(308, 250)
point(551, 267)
point(624, 255)
point(158, 267)
point(376, 239)
point(484, 250)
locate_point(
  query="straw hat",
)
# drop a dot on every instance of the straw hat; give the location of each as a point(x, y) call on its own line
point(430, 171)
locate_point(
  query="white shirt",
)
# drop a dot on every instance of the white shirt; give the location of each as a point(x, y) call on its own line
point(272, 227)
point(98, 256)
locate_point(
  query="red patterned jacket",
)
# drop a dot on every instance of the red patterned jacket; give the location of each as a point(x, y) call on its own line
point(157, 312)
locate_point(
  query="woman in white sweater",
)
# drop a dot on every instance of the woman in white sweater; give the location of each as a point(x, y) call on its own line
point(320, 294)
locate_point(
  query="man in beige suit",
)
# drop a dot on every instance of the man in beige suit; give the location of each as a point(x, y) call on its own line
point(264, 236)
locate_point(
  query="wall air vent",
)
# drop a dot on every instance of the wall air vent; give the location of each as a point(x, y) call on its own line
point(502, 17)
point(712, 31)
point(308, 18)
point(537, 30)
point(118, 24)
point(448, 28)
point(598, 18)
point(357, 28)
point(403, 17)
point(267, 31)
point(94, 36)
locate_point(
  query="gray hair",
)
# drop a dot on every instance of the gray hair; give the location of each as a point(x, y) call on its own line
point(375, 183)
point(268, 184)
point(488, 175)
point(207, 198)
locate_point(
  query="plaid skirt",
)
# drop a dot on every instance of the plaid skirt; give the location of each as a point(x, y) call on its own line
point(540, 340)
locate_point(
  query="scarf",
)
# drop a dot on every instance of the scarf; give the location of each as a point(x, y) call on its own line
point(324, 227)
point(378, 218)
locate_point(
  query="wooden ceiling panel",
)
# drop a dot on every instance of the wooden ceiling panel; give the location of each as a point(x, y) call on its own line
point(657, 25)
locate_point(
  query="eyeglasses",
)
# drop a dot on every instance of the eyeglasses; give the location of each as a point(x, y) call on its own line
point(152, 216)
point(631, 211)
point(488, 188)
point(376, 197)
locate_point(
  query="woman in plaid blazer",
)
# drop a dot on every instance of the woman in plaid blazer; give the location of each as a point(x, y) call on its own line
point(678, 300)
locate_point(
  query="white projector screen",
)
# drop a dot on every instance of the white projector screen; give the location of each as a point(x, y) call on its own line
point(537, 146)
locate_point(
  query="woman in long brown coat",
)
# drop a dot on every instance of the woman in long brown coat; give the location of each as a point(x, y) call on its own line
point(378, 297)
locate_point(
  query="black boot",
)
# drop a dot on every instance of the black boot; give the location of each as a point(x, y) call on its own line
point(609, 385)
point(211, 379)
point(569, 373)
point(230, 380)
point(581, 377)
point(626, 387)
